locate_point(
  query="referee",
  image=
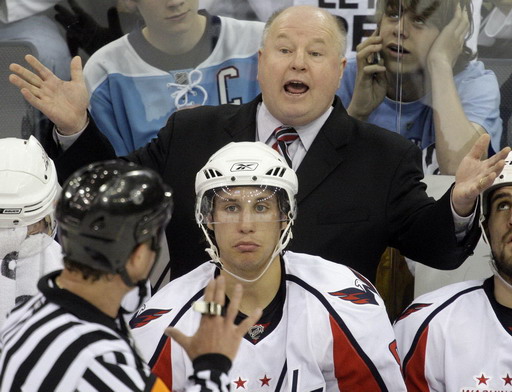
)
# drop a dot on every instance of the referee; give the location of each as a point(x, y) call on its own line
point(71, 335)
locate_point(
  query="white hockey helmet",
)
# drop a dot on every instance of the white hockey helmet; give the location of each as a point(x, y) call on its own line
point(246, 164)
point(504, 179)
point(28, 183)
point(251, 164)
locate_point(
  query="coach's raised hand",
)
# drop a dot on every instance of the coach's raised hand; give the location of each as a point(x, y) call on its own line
point(63, 102)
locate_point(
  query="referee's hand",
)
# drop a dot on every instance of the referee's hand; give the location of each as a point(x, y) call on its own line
point(217, 334)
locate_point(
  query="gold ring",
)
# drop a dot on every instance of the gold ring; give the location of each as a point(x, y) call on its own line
point(208, 308)
point(481, 183)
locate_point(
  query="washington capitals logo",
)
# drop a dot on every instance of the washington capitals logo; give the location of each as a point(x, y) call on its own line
point(411, 309)
point(257, 331)
point(147, 316)
point(362, 294)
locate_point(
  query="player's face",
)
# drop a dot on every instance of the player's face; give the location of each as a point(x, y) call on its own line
point(500, 229)
point(247, 224)
point(169, 16)
point(406, 41)
point(300, 65)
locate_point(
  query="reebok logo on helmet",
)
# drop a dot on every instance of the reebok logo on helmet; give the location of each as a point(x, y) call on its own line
point(244, 166)
point(10, 211)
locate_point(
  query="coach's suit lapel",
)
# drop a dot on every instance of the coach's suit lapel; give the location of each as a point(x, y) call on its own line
point(325, 154)
point(241, 125)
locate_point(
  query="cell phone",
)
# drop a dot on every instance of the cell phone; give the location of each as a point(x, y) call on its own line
point(375, 57)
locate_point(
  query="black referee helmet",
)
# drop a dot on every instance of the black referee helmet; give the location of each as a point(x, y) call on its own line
point(108, 208)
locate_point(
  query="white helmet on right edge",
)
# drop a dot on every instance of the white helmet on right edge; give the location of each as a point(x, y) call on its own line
point(251, 164)
point(504, 179)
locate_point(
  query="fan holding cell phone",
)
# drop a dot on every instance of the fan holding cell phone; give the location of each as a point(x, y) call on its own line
point(414, 75)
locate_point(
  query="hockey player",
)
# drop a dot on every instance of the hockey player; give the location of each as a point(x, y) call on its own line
point(459, 337)
point(28, 191)
point(324, 326)
point(70, 337)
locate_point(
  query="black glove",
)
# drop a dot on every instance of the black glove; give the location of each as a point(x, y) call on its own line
point(82, 31)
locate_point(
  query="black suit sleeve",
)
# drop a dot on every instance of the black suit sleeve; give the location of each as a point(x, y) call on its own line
point(423, 229)
point(155, 154)
point(91, 146)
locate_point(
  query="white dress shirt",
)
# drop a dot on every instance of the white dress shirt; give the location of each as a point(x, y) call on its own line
point(266, 124)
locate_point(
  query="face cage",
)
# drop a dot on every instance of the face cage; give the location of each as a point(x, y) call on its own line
point(206, 208)
point(207, 203)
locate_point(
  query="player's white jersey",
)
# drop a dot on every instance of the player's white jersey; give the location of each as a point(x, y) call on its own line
point(457, 339)
point(332, 334)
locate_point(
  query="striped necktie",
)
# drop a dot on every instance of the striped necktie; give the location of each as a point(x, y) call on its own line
point(284, 137)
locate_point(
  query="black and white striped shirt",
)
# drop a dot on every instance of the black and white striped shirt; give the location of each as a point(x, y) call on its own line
point(57, 341)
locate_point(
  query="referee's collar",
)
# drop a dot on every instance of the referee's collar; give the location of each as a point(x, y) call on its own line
point(73, 303)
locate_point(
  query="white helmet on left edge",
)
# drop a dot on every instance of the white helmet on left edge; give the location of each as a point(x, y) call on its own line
point(28, 182)
point(28, 190)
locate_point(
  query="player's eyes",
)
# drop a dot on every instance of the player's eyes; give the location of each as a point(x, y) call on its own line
point(231, 208)
point(261, 208)
point(503, 206)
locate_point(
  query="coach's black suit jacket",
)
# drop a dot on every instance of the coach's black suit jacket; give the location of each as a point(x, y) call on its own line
point(359, 188)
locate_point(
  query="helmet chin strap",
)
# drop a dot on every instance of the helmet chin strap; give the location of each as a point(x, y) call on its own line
point(141, 284)
point(142, 291)
point(213, 252)
point(494, 269)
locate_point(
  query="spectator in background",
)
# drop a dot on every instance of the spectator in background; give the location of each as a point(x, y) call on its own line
point(179, 59)
point(30, 21)
point(28, 191)
point(25, 20)
point(446, 337)
point(424, 86)
point(83, 31)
